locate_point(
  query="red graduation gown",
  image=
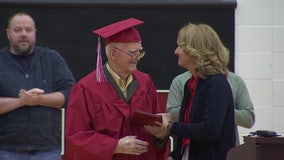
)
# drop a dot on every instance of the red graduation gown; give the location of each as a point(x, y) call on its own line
point(96, 118)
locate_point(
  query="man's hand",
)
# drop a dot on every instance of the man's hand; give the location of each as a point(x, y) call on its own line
point(170, 158)
point(30, 97)
point(131, 145)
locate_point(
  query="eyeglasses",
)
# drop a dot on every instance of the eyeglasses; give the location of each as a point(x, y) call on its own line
point(133, 55)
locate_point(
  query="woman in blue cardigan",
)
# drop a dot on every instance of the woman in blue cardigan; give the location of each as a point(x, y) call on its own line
point(205, 129)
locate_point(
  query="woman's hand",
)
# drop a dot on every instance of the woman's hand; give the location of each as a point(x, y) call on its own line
point(160, 131)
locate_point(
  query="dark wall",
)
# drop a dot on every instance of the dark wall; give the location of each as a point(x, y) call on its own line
point(68, 29)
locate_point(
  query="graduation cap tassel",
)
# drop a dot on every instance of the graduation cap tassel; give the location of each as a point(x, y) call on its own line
point(99, 73)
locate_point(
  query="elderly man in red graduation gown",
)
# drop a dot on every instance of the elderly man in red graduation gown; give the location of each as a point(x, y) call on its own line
point(101, 105)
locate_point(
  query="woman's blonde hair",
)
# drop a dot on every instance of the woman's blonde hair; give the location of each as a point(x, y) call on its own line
point(204, 46)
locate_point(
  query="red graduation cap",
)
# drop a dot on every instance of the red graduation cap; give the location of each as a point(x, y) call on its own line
point(121, 31)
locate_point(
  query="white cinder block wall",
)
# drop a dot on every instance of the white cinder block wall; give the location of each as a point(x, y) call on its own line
point(259, 59)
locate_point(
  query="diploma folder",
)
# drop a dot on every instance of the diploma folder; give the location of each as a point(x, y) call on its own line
point(141, 118)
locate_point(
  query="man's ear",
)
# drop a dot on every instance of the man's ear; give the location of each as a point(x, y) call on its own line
point(8, 34)
point(112, 53)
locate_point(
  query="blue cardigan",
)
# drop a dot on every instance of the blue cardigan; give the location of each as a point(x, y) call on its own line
point(37, 127)
point(211, 127)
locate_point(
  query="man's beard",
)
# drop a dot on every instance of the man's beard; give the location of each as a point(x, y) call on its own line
point(24, 51)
